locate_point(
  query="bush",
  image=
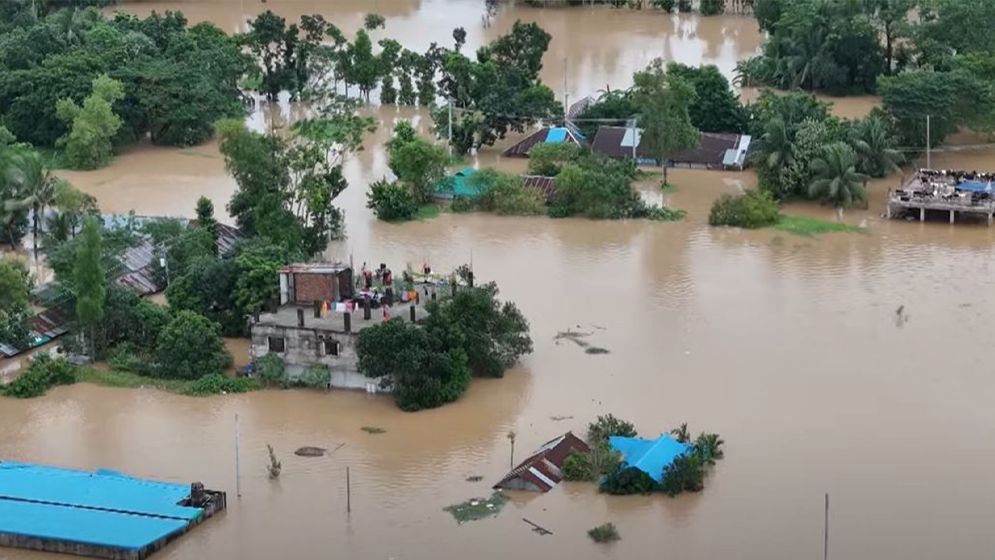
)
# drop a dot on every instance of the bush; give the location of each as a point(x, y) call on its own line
point(604, 533)
point(548, 159)
point(123, 358)
point(271, 371)
point(391, 201)
point(712, 7)
point(599, 430)
point(190, 347)
point(628, 480)
point(463, 204)
point(315, 377)
point(753, 209)
point(663, 214)
point(577, 466)
point(685, 473)
point(43, 372)
point(216, 383)
point(504, 193)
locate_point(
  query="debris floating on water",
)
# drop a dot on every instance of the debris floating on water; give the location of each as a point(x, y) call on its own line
point(308, 451)
point(573, 336)
point(477, 508)
point(474, 478)
point(373, 430)
point(560, 418)
point(596, 350)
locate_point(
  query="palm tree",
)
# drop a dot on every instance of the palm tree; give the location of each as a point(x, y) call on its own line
point(511, 438)
point(36, 180)
point(681, 433)
point(776, 150)
point(14, 200)
point(709, 448)
point(873, 144)
point(836, 178)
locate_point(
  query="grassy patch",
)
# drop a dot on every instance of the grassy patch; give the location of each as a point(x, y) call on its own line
point(604, 533)
point(205, 386)
point(667, 187)
point(127, 379)
point(477, 508)
point(808, 226)
point(427, 211)
point(373, 430)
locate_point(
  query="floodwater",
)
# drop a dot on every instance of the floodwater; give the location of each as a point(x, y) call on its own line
point(789, 347)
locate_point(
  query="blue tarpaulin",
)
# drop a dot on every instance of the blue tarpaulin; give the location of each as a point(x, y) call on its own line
point(648, 455)
point(975, 186)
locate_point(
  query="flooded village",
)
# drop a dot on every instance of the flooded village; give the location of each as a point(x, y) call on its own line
point(829, 364)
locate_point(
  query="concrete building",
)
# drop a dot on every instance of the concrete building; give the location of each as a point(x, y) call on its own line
point(322, 311)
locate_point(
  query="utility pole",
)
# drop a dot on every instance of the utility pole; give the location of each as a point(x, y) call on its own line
point(566, 96)
point(450, 105)
point(164, 262)
point(825, 532)
point(238, 482)
point(929, 158)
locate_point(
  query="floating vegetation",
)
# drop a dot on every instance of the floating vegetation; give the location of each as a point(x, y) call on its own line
point(604, 533)
point(373, 430)
point(477, 508)
point(308, 451)
point(474, 478)
point(596, 350)
point(560, 418)
point(573, 336)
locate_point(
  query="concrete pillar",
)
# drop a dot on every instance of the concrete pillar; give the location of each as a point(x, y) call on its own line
point(951, 216)
point(317, 309)
point(922, 214)
point(989, 220)
point(347, 322)
point(412, 312)
point(300, 317)
point(284, 288)
point(366, 309)
point(888, 210)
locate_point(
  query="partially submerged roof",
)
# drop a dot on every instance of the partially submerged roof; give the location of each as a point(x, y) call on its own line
point(101, 507)
point(457, 184)
point(542, 470)
point(715, 149)
point(648, 455)
point(545, 135)
point(543, 186)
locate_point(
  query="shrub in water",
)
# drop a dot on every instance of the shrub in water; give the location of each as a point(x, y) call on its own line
point(752, 209)
point(604, 533)
point(599, 430)
point(43, 372)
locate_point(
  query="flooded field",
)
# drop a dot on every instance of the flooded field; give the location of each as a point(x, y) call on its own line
point(787, 346)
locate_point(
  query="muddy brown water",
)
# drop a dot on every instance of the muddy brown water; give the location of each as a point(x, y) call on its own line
point(787, 346)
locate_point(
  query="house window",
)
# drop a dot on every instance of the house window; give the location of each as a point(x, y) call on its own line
point(331, 347)
point(276, 344)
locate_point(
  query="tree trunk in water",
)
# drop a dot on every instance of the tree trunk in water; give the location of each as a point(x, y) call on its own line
point(34, 235)
point(665, 173)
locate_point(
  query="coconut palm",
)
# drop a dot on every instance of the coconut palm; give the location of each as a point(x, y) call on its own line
point(681, 433)
point(776, 151)
point(874, 146)
point(837, 180)
point(36, 180)
point(14, 200)
point(709, 448)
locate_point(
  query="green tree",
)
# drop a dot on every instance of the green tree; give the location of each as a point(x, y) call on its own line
point(391, 201)
point(951, 99)
point(374, 21)
point(663, 101)
point(493, 335)
point(405, 358)
point(891, 19)
point(272, 43)
point(364, 68)
point(685, 474)
point(681, 433)
point(92, 126)
point(836, 178)
point(548, 159)
point(416, 162)
point(15, 309)
point(190, 347)
point(712, 7)
point(207, 287)
point(708, 447)
point(604, 427)
point(89, 280)
point(714, 107)
point(205, 219)
point(34, 176)
point(256, 269)
point(872, 141)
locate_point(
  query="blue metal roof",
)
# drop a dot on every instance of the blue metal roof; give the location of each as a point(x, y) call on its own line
point(75, 524)
point(102, 489)
point(556, 135)
point(648, 455)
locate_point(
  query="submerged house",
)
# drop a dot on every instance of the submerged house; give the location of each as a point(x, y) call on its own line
point(104, 514)
point(648, 455)
point(456, 185)
point(321, 313)
point(545, 135)
point(715, 150)
point(542, 470)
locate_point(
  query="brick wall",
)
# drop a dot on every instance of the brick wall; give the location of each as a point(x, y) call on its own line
point(313, 287)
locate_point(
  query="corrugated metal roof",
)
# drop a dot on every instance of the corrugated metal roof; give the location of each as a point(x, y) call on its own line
point(545, 186)
point(648, 455)
point(547, 134)
point(542, 468)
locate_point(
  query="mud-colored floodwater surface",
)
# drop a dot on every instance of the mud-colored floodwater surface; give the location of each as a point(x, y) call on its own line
point(787, 346)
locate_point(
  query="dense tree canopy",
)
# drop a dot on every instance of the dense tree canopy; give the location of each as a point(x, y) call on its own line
point(176, 80)
point(190, 347)
point(15, 308)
